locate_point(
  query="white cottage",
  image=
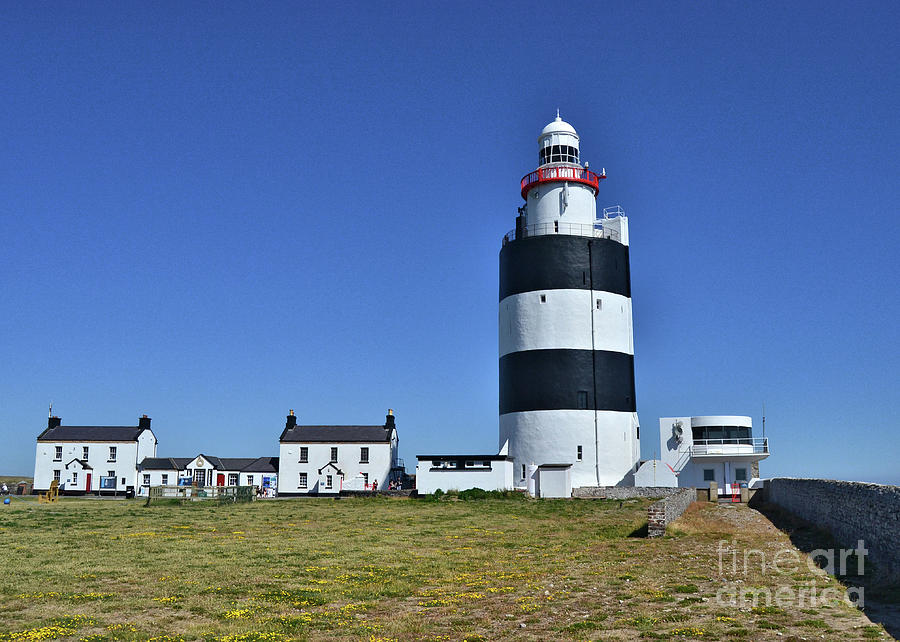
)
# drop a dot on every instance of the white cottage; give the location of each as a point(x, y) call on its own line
point(695, 451)
point(463, 472)
point(322, 460)
point(91, 459)
point(208, 470)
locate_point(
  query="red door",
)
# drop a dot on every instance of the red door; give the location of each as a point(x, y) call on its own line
point(220, 479)
point(87, 483)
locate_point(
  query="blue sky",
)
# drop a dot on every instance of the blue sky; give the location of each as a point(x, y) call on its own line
point(214, 212)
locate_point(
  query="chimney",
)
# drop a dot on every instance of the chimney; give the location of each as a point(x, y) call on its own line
point(144, 422)
point(389, 420)
point(291, 421)
point(53, 422)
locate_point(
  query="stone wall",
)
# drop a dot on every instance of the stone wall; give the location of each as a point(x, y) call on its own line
point(673, 503)
point(667, 510)
point(850, 511)
point(623, 492)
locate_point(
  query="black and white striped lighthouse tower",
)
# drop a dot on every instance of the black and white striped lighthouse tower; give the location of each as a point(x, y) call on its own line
point(566, 340)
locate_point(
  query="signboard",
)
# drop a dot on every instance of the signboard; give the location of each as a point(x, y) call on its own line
point(184, 481)
point(107, 483)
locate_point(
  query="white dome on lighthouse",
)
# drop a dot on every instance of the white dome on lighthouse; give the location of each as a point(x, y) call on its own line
point(558, 125)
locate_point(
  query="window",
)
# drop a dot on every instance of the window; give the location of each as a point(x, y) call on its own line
point(146, 480)
point(110, 473)
point(364, 455)
point(304, 455)
point(327, 481)
point(57, 454)
point(543, 298)
point(334, 454)
point(639, 433)
point(112, 453)
point(74, 477)
point(740, 474)
point(232, 479)
point(582, 399)
point(301, 483)
point(365, 480)
point(709, 474)
point(580, 453)
point(470, 464)
point(164, 478)
point(599, 304)
point(56, 475)
point(84, 452)
point(249, 480)
point(199, 477)
point(123, 481)
point(523, 471)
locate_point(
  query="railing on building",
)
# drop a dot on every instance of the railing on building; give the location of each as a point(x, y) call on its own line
point(595, 230)
point(561, 173)
point(738, 446)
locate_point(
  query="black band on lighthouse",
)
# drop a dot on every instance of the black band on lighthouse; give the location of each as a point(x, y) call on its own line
point(562, 379)
point(562, 262)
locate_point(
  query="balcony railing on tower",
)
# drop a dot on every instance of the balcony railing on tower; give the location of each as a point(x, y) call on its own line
point(561, 173)
point(595, 230)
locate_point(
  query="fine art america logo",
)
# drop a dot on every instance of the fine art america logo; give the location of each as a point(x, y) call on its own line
point(743, 566)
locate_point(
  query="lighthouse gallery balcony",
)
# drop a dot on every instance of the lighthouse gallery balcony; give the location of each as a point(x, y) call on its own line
point(558, 173)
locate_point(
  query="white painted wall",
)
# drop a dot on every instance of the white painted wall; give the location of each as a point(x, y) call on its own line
point(546, 203)
point(498, 477)
point(690, 470)
point(553, 437)
point(382, 456)
point(554, 483)
point(565, 321)
point(128, 454)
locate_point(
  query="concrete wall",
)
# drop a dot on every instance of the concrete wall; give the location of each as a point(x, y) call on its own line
point(850, 511)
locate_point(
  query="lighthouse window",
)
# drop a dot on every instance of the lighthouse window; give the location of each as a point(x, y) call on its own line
point(599, 304)
point(559, 154)
point(580, 453)
point(582, 400)
point(543, 298)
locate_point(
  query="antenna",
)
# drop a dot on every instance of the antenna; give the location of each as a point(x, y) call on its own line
point(764, 419)
point(50, 412)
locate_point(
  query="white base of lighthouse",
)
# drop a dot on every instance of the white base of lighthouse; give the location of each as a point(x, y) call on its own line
point(608, 443)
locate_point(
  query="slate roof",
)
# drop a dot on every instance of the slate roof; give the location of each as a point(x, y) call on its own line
point(337, 434)
point(241, 464)
point(91, 433)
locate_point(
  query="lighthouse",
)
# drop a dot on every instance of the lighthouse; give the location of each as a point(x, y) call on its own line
point(565, 325)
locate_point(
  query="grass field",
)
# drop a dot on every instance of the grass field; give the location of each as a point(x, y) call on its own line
point(380, 569)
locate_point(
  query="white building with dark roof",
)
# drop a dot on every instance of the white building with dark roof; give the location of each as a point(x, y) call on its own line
point(322, 460)
point(86, 459)
point(208, 470)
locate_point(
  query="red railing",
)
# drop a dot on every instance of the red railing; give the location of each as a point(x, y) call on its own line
point(553, 174)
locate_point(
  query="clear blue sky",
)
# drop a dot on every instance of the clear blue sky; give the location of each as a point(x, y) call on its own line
point(214, 212)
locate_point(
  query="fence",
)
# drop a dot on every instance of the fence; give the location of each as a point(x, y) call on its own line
point(219, 494)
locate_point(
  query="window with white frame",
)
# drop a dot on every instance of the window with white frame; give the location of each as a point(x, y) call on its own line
point(580, 454)
point(334, 454)
point(328, 483)
point(249, 480)
point(302, 482)
point(57, 474)
point(232, 479)
point(304, 455)
point(112, 453)
point(57, 453)
point(74, 477)
point(146, 479)
point(164, 478)
point(364, 455)
point(84, 452)
point(110, 473)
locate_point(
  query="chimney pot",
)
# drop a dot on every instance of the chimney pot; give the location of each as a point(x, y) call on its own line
point(54, 422)
point(291, 421)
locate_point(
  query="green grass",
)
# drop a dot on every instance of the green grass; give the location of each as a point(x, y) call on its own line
point(466, 567)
